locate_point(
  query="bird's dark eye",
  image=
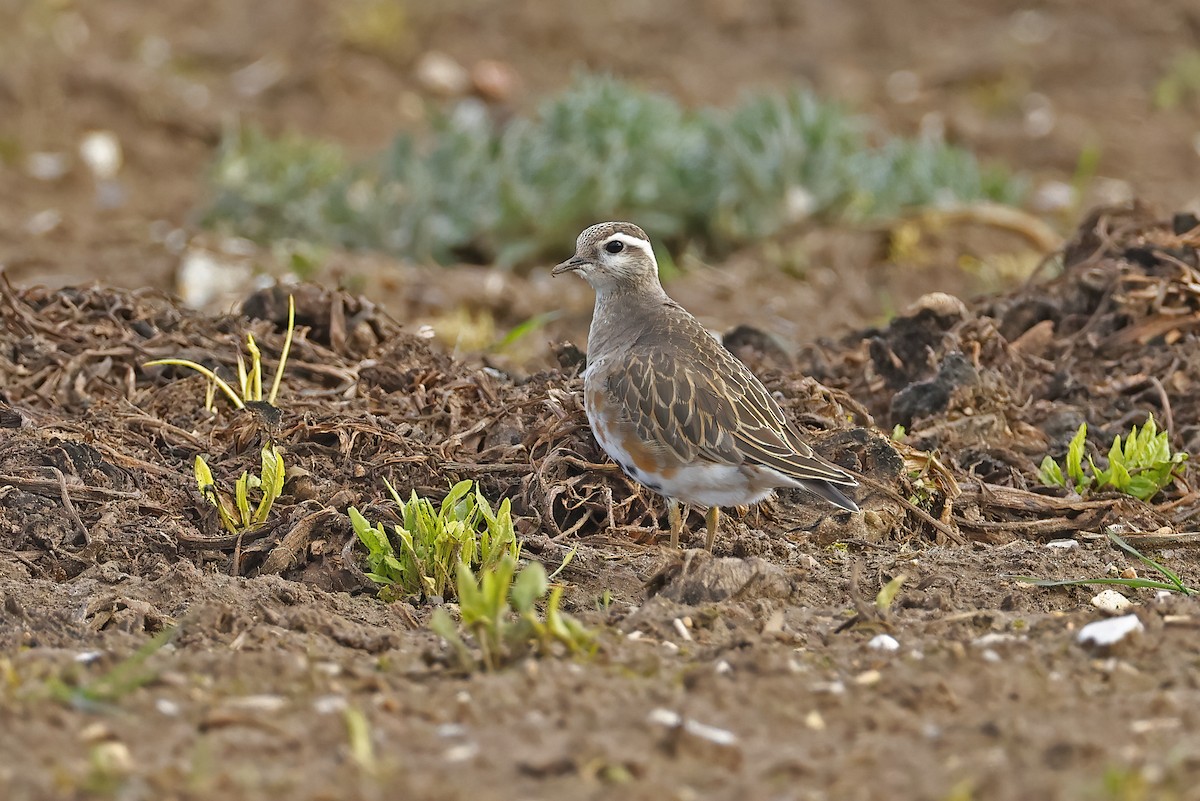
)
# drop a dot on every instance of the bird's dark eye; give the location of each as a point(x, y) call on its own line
point(616, 246)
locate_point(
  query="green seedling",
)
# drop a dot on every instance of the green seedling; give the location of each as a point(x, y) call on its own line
point(499, 610)
point(250, 384)
point(1171, 580)
point(236, 513)
point(887, 594)
point(420, 555)
point(358, 733)
point(1140, 467)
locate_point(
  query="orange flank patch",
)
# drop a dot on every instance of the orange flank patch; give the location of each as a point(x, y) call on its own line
point(643, 458)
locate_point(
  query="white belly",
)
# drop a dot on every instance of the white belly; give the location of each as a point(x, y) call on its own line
point(724, 485)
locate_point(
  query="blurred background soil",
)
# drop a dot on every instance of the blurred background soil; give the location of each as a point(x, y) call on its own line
point(1096, 102)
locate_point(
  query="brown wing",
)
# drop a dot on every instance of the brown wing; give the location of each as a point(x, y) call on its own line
point(674, 407)
point(708, 404)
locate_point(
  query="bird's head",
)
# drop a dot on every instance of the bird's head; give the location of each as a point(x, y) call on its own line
point(612, 256)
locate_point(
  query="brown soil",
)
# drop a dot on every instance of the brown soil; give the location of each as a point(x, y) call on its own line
point(104, 542)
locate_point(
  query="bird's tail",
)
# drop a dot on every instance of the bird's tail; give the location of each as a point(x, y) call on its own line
point(829, 492)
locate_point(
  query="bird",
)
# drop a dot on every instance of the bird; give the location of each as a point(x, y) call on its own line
point(679, 413)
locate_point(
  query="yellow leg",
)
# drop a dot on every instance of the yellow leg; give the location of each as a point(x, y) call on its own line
point(676, 522)
point(713, 517)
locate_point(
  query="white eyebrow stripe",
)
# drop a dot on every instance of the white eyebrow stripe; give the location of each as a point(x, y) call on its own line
point(628, 239)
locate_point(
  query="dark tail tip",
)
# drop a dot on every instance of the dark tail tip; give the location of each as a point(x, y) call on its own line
point(828, 492)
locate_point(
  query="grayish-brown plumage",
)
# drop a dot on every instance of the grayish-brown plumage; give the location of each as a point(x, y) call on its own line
point(675, 409)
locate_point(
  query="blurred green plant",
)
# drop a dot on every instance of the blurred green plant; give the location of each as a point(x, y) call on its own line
point(498, 608)
point(1181, 81)
point(603, 149)
point(1141, 467)
point(419, 557)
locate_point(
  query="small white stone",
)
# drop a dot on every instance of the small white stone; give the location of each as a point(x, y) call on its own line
point(830, 687)
point(112, 758)
point(166, 706)
point(994, 638)
point(1111, 602)
point(461, 753)
point(43, 222)
point(1103, 633)
point(1154, 724)
point(814, 721)
point(101, 152)
point(799, 204)
point(989, 655)
point(328, 704)
point(442, 75)
point(88, 657)
point(202, 278)
point(681, 630)
point(258, 703)
point(722, 668)
point(46, 166)
point(1065, 545)
point(710, 733)
point(884, 642)
point(868, 678)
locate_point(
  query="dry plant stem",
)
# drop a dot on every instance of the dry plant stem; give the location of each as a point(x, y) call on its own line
point(1040, 235)
point(929, 519)
point(41, 485)
point(1168, 417)
point(70, 507)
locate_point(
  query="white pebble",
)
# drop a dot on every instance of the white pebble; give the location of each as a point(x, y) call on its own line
point(665, 717)
point(884, 642)
point(868, 678)
point(1065, 545)
point(1109, 632)
point(440, 74)
point(994, 638)
point(101, 152)
point(258, 703)
point(328, 704)
point(166, 706)
point(461, 752)
point(1111, 602)
point(46, 166)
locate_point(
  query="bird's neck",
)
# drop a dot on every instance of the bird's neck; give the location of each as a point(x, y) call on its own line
point(623, 313)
